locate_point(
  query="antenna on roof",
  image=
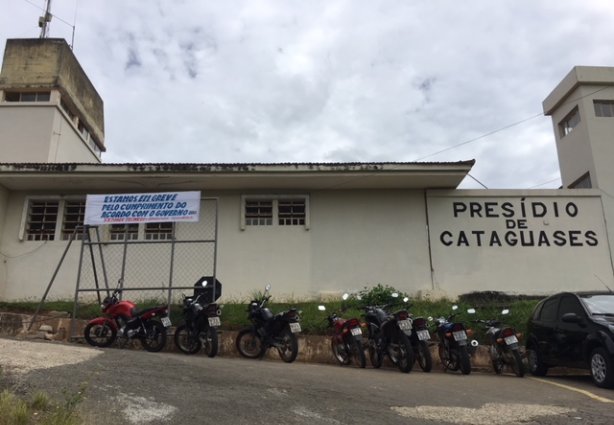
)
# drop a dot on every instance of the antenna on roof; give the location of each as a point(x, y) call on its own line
point(609, 289)
point(43, 21)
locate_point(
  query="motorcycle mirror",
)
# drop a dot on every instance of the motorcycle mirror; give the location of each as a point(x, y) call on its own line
point(505, 311)
point(471, 310)
point(203, 284)
point(322, 308)
point(267, 287)
point(454, 307)
point(395, 295)
point(345, 296)
point(474, 343)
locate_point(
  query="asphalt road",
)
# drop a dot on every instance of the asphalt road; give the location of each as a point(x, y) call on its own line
point(134, 387)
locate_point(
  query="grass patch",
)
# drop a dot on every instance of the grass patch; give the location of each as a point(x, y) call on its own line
point(14, 410)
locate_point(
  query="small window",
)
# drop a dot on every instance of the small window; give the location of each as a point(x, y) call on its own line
point(41, 221)
point(291, 212)
point(120, 232)
point(159, 231)
point(44, 96)
point(74, 212)
point(583, 182)
point(259, 212)
point(570, 122)
point(604, 108)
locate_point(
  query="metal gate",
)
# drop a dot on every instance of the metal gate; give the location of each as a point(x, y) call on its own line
point(149, 265)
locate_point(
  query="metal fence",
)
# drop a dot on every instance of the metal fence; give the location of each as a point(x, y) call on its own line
point(156, 269)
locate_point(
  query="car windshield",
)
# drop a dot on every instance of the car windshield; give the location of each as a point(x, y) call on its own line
point(599, 304)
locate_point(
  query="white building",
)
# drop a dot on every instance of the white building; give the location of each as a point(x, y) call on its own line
point(308, 229)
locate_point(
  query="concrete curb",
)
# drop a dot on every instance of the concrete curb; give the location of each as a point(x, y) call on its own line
point(312, 348)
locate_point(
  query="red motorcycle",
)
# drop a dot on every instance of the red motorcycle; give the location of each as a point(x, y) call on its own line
point(122, 318)
point(346, 341)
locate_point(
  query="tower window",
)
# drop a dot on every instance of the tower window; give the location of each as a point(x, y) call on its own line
point(583, 182)
point(604, 108)
point(42, 96)
point(570, 122)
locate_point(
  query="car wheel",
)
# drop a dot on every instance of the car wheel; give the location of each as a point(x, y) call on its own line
point(601, 368)
point(536, 364)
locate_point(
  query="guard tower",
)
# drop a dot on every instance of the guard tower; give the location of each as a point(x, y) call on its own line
point(49, 110)
point(582, 110)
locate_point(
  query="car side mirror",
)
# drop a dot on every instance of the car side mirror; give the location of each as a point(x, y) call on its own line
point(571, 318)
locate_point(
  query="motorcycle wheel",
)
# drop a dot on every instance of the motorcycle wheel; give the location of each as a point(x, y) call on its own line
point(402, 355)
point(249, 344)
point(100, 335)
point(155, 336)
point(448, 357)
point(289, 346)
point(210, 342)
point(517, 365)
point(376, 356)
point(464, 361)
point(340, 353)
point(425, 360)
point(358, 352)
point(185, 341)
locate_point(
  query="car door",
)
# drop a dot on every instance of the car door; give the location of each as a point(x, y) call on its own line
point(571, 336)
point(543, 329)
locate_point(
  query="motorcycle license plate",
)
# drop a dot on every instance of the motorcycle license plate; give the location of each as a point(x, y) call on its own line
point(405, 325)
point(356, 331)
point(509, 340)
point(166, 322)
point(460, 335)
point(214, 322)
point(295, 327)
point(423, 335)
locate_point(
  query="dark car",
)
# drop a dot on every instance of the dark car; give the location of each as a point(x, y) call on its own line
point(573, 329)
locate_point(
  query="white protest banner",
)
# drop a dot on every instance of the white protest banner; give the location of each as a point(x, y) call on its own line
point(142, 208)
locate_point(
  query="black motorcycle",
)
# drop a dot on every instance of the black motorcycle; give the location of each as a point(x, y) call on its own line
point(419, 340)
point(268, 330)
point(200, 326)
point(388, 334)
point(453, 343)
point(504, 347)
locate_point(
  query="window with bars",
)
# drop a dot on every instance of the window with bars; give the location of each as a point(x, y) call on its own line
point(291, 212)
point(74, 213)
point(41, 221)
point(604, 108)
point(159, 231)
point(120, 232)
point(275, 210)
point(259, 212)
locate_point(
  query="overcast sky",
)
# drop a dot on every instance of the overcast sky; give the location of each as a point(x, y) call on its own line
point(330, 81)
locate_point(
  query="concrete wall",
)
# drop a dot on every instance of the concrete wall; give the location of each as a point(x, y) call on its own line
point(531, 242)
point(3, 208)
point(534, 242)
point(40, 133)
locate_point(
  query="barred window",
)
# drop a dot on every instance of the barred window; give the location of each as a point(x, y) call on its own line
point(291, 212)
point(259, 212)
point(120, 232)
point(159, 231)
point(41, 221)
point(74, 212)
